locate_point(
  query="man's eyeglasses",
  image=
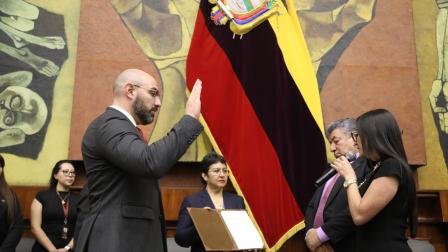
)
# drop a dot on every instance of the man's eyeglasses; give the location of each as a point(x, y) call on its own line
point(354, 135)
point(153, 91)
point(216, 172)
point(68, 173)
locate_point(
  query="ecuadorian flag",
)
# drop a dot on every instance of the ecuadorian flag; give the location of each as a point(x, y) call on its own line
point(261, 106)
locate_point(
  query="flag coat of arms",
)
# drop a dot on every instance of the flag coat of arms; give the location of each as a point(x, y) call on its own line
point(261, 109)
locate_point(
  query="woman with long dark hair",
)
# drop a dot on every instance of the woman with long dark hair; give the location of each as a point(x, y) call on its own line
point(53, 211)
point(11, 221)
point(214, 177)
point(383, 204)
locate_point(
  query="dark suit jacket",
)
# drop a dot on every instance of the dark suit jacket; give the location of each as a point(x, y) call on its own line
point(10, 234)
point(122, 177)
point(338, 223)
point(186, 234)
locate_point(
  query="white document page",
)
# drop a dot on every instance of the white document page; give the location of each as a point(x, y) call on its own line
point(242, 229)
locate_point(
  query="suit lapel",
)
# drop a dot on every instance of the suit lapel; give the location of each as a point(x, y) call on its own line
point(335, 190)
point(205, 199)
point(228, 204)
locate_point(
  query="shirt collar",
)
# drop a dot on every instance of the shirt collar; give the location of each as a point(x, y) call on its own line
point(124, 112)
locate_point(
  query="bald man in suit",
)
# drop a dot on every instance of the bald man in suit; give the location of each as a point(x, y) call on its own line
point(125, 210)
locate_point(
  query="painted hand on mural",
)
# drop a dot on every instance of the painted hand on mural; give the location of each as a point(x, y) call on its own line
point(40, 64)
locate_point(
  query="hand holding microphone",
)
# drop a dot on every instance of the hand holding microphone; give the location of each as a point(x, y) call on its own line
point(349, 157)
point(343, 167)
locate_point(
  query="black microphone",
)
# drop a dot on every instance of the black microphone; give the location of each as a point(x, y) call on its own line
point(324, 178)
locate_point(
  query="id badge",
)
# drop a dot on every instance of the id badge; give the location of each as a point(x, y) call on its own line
point(64, 235)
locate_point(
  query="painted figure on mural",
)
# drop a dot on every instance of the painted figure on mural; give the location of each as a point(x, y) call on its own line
point(329, 26)
point(35, 52)
point(22, 111)
point(163, 30)
point(438, 97)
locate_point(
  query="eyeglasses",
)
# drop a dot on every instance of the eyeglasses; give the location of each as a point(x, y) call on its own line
point(68, 173)
point(354, 135)
point(216, 172)
point(153, 91)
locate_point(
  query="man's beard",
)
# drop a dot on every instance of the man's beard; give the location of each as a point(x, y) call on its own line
point(143, 115)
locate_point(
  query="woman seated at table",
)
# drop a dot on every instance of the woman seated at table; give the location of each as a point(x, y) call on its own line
point(214, 176)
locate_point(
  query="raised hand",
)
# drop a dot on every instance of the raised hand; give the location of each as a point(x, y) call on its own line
point(193, 106)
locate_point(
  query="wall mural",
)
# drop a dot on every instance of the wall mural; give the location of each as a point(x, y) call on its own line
point(431, 36)
point(329, 27)
point(38, 39)
point(32, 51)
point(37, 66)
point(438, 97)
point(163, 30)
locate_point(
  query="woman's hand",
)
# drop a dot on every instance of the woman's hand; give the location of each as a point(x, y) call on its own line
point(344, 168)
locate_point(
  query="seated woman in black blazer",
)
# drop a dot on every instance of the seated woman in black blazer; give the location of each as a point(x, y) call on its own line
point(11, 221)
point(214, 176)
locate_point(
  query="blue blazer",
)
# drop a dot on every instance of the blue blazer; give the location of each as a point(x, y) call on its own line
point(186, 234)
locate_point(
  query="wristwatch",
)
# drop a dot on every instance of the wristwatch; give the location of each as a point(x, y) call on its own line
point(68, 248)
point(348, 182)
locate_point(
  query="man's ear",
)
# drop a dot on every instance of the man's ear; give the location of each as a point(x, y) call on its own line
point(129, 91)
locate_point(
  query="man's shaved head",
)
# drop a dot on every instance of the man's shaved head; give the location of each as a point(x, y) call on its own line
point(133, 76)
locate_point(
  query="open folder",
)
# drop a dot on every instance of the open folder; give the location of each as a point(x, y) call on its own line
point(225, 229)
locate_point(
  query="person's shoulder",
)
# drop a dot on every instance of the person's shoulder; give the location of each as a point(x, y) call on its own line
point(195, 196)
point(391, 162)
point(233, 196)
point(193, 199)
point(109, 115)
point(45, 191)
point(43, 195)
point(390, 167)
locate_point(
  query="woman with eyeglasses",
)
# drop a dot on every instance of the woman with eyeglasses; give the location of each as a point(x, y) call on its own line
point(384, 204)
point(11, 221)
point(214, 176)
point(53, 211)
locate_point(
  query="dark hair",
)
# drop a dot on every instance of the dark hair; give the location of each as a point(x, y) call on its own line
point(208, 160)
point(7, 194)
point(347, 125)
point(380, 134)
point(57, 167)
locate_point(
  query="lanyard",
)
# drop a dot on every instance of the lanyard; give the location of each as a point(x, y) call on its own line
point(65, 204)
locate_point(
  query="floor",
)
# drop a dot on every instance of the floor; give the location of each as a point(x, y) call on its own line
point(25, 245)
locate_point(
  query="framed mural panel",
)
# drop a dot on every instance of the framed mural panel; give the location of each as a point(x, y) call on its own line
point(37, 55)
